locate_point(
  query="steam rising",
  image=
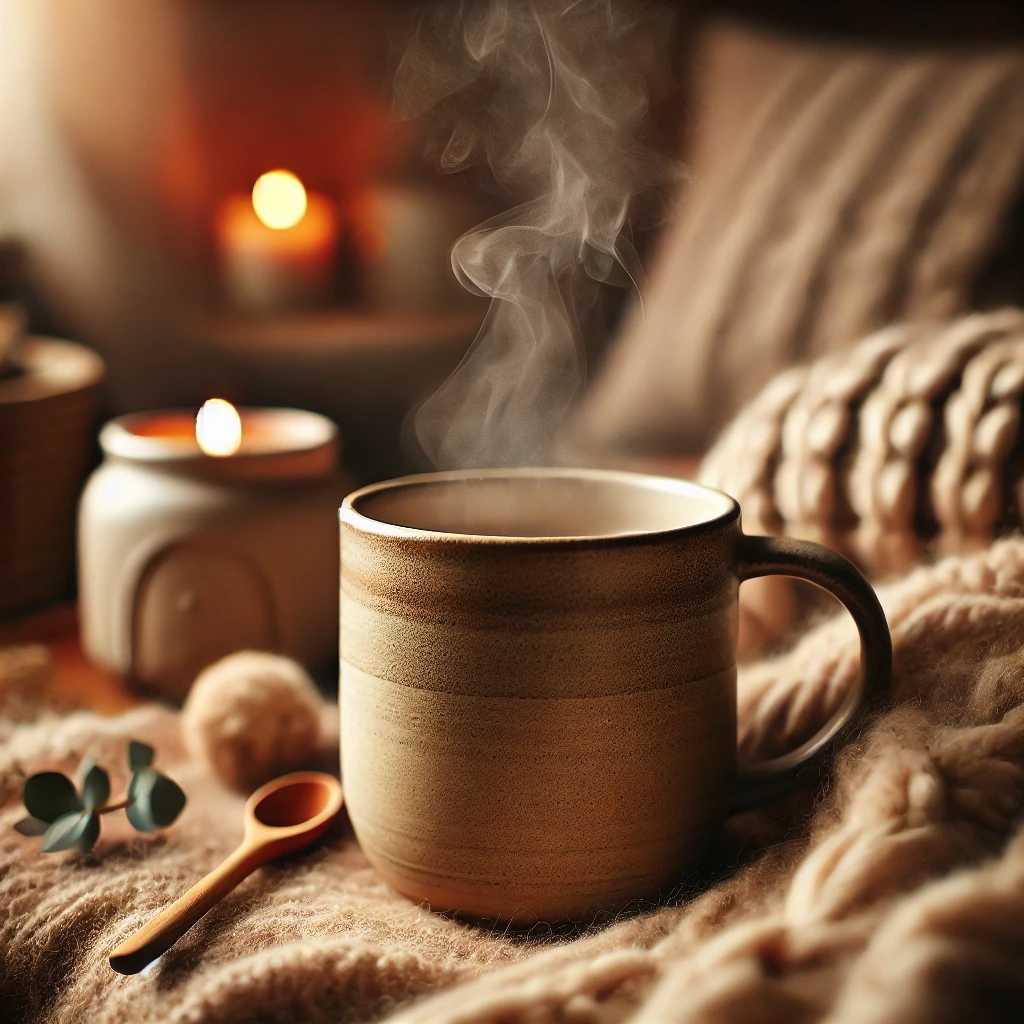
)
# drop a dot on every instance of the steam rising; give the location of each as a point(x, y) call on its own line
point(552, 96)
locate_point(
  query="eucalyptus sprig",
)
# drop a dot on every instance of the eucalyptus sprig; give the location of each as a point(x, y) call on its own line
point(67, 817)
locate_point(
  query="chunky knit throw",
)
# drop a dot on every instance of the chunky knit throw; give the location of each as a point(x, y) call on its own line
point(907, 444)
point(894, 893)
point(914, 435)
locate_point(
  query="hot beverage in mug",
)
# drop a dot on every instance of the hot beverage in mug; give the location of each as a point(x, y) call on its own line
point(538, 682)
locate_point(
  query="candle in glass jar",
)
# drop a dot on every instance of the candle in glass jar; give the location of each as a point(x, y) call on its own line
point(278, 246)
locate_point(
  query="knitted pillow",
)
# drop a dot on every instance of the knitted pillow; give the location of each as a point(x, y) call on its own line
point(834, 189)
point(914, 433)
point(909, 443)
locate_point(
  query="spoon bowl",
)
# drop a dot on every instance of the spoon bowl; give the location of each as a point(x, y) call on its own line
point(289, 813)
point(283, 816)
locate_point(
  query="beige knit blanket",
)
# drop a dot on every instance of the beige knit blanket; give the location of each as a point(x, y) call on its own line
point(896, 894)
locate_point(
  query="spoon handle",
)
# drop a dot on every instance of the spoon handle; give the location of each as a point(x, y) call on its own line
point(158, 935)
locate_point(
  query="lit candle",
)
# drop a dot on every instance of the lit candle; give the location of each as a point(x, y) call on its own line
point(204, 534)
point(279, 246)
point(218, 428)
point(224, 442)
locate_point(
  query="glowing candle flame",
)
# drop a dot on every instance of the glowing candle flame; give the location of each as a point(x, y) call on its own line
point(279, 199)
point(218, 428)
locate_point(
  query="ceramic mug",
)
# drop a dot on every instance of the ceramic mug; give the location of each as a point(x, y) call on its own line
point(538, 682)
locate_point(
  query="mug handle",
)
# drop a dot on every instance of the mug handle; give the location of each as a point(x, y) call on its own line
point(781, 556)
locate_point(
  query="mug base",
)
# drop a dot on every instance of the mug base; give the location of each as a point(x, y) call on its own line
point(512, 903)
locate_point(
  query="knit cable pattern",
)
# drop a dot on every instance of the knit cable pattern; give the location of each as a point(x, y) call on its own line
point(907, 445)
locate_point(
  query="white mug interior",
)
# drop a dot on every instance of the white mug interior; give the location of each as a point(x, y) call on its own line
point(537, 503)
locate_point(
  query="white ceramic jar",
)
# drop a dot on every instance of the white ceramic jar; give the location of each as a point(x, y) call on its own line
point(185, 557)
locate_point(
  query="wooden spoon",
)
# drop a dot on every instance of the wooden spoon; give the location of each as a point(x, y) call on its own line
point(281, 817)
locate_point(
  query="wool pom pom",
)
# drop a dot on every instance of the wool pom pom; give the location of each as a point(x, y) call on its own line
point(252, 716)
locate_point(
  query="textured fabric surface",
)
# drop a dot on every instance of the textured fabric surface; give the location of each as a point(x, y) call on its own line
point(833, 189)
point(896, 893)
point(906, 444)
point(914, 431)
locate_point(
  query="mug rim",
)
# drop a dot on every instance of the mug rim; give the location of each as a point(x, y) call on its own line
point(350, 515)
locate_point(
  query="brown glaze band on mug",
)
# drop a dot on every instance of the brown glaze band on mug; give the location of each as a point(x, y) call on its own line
point(538, 682)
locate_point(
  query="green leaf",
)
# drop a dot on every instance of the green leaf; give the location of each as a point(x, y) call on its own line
point(70, 830)
point(139, 791)
point(166, 801)
point(95, 787)
point(31, 826)
point(49, 795)
point(154, 800)
point(138, 815)
point(137, 808)
point(140, 755)
point(90, 834)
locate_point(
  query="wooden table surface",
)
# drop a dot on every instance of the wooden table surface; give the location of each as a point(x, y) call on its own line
point(76, 680)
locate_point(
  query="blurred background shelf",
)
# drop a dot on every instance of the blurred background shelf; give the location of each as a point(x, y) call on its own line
point(365, 370)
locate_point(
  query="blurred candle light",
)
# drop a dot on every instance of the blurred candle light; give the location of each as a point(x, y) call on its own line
point(279, 199)
point(218, 428)
point(279, 245)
